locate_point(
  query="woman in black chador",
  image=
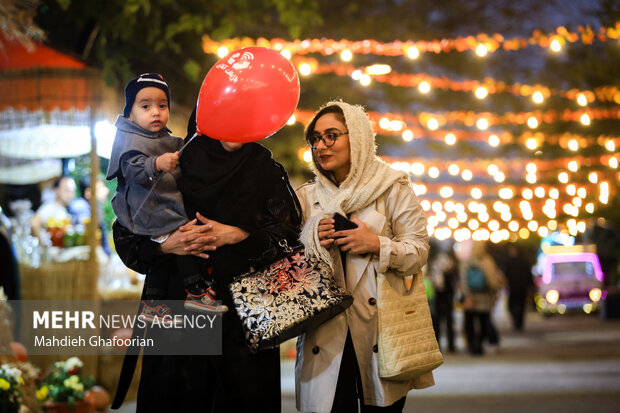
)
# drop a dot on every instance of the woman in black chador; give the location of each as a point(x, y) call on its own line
point(244, 198)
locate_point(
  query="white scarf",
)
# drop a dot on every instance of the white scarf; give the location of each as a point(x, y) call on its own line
point(368, 178)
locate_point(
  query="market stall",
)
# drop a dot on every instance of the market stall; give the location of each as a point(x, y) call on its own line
point(49, 107)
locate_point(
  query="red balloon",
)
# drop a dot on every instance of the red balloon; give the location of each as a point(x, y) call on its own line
point(247, 96)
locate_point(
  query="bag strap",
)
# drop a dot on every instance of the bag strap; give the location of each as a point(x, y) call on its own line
point(408, 281)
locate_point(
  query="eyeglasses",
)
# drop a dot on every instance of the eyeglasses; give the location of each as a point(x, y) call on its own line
point(328, 138)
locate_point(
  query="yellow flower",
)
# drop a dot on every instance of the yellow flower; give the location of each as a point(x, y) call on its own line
point(42, 393)
point(4, 385)
point(21, 381)
point(73, 382)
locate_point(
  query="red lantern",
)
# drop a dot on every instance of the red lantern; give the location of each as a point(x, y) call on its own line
point(247, 96)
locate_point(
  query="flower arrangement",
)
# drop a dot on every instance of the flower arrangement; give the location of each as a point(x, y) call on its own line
point(64, 383)
point(10, 393)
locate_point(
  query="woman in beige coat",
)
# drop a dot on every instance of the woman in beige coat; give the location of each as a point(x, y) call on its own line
point(337, 362)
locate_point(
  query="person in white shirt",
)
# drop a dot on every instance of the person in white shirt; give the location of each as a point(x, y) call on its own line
point(64, 191)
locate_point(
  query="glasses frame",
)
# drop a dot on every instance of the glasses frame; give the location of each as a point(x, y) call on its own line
point(322, 138)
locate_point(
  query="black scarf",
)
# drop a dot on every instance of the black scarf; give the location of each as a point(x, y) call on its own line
point(225, 186)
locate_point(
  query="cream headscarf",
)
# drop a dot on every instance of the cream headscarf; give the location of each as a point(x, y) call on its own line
point(368, 178)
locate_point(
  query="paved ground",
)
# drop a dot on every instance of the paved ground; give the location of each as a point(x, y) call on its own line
point(568, 364)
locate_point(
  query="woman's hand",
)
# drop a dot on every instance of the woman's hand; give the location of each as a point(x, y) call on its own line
point(326, 228)
point(223, 234)
point(190, 239)
point(357, 241)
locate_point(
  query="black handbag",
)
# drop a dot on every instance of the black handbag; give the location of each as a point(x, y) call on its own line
point(286, 298)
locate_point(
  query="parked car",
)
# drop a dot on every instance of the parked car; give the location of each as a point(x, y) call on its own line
point(571, 280)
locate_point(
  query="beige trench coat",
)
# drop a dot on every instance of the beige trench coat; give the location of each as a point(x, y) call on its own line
point(404, 250)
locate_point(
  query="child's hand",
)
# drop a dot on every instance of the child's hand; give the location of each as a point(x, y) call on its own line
point(167, 162)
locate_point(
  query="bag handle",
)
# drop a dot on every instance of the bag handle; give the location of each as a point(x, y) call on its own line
point(408, 281)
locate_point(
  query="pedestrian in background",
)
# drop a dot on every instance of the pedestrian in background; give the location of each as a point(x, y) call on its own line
point(519, 276)
point(480, 280)
point(444, 276)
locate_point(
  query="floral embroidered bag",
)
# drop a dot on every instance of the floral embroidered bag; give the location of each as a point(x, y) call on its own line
point(286, 298)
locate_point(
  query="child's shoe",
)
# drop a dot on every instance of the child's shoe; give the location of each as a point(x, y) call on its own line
point(151, 312)
point(203, 300)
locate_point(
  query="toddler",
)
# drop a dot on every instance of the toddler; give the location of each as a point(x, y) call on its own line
point(144, 162)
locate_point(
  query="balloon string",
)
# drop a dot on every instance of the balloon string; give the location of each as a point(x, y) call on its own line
point(157, 180)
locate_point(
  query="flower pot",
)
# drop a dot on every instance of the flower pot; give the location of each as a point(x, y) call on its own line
point(63, 407)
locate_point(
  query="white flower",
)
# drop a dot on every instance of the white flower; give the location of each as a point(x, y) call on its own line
point(73, 362)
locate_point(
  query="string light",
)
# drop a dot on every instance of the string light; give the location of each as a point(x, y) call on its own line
point(378, 69)
point(286, 53)
point(506, 193)
point(417, 168)
point(222, 51)
point(554, 193)
point(531, 143)
point(593, 177)
point(543, 232)
point(450, 139)
point(291, 120)
point(481, 92)
point(413, 52)
point(538, 97)
point(365, 79)
point(604, 93)
point(581, 192)
point(396, 125)
point(555, 46)
point(585, 119)
point(432, 124)
point(407, 135)
point(396, 48)
point(494, 140)
point(446, 192)
point(346, 55)
point(532, 122)
point(482, 124)
point(573, 145)
point(481, 50)
point(424, 87)
point(305, 69)
point(307, 156)
point(610, 145)
point(582, 100)
point(573, 166)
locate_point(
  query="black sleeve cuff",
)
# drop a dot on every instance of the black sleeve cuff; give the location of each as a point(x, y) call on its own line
point(253, 247)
